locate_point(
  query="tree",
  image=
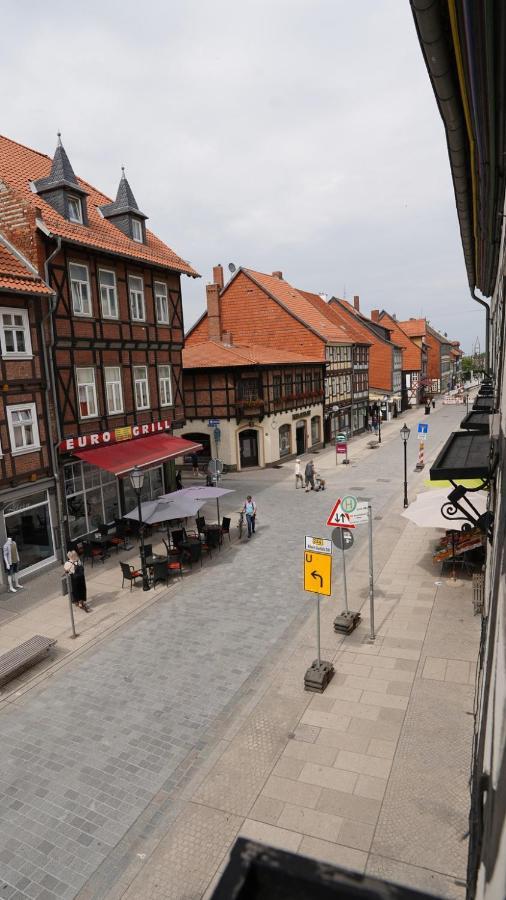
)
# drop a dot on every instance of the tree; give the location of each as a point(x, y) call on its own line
point(466, 367)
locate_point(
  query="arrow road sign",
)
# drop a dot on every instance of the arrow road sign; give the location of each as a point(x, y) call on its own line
point(317, 573)
point(342, 538)
point(339, 517)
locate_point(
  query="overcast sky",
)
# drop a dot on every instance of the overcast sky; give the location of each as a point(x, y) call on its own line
point(299, 135)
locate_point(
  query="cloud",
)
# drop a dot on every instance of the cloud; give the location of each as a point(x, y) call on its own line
point(299, 135)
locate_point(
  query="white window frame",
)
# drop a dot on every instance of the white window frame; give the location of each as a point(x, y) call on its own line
point(78, 220)
point(87, 384)
point(139, 236)
point(25, 448)
point(136, 297)
point(109, 291)
point(115, 408)
point(15, 354)
point(162, 296)
point(80, 282)
point(141, 402)
point(163, 381)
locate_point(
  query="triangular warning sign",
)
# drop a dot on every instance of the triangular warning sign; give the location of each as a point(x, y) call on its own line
point(338, 518)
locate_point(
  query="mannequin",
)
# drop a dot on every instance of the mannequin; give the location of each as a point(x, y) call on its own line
point(11, 562)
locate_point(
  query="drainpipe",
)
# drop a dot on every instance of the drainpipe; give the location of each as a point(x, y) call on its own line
point(51, 390)
point(487, 329)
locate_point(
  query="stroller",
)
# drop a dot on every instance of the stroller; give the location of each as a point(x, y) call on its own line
point(319, 482)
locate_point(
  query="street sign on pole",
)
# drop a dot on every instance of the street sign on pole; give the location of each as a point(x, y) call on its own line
point(339, 518)
point(423, 429)
point(318, 544)
point(342, 538)
point(318, 573)
point(371, 575)
point(213, 423)
point(360, 514)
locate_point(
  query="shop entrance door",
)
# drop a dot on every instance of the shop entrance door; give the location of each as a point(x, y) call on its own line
point(248, 447)
point(300, 432)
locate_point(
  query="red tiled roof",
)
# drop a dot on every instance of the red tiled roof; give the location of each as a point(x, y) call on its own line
point(19, 166)
point(15, 276)
point(414, 327)
point(294, 301)
point(355, 334)
point(210, 354)
point(412, 356)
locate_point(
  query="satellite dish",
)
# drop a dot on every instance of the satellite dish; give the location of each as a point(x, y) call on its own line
point(231, 267)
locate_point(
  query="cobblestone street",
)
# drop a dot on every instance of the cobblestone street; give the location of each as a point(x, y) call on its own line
point(130, 770)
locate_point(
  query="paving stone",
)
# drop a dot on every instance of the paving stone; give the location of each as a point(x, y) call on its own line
point(434, 668)
point(341, 741)
point(335, 854)
point(415, 877)
point(368, 786)
point(325, 776)
point(310, 821)
point(304, 794)
point(307, 733)
point(349, 806)
point(388, 731)
point(362, 764)
point(312, 752)
point(326, 720)
point(288, 767)
point(377, 747)
point(457, 670)
point(281, 838)
point(266, 809)
point(356, 834)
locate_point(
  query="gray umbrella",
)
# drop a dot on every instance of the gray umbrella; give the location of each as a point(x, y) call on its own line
point(201, 493)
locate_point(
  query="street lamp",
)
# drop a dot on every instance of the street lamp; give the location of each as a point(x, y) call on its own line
point(405, 432)
point(137, 479)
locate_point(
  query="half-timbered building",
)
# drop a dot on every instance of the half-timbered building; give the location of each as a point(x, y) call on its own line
point(115, 331)
point(27, 485)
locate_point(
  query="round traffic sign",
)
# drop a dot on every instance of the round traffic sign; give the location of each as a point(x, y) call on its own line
point(342, 538)
point(215, 467)
point(348, 503)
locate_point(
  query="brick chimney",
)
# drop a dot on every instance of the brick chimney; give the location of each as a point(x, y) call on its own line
point(218, 276)
point(375, 315)
point(356, 302)
point(227, 338)
point(278, 275)
point(213, 312)
point(17, 221)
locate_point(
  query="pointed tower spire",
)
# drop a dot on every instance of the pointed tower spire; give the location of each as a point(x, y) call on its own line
point(125, 201)
point(61, 174)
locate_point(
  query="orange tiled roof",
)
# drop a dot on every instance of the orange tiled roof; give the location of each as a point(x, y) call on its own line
point(412, 356)
point(19, 166)
point(211, 354)
point(414, 327)
point(344, 322)
point(15, 276)
point(294, 301)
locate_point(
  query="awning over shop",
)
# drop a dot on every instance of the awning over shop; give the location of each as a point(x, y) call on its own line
point(121, 457)
point(466, 454)
point(477, 421)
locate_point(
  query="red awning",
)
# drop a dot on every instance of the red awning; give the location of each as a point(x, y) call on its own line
point(121, 457)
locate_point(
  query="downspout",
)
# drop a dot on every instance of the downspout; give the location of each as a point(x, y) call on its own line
point(51, 390)
point(487, 328)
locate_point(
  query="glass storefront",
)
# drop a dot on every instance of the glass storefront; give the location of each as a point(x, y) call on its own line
point(92, 495)
point(28, 522)
point(285, 440)
point(315, 430)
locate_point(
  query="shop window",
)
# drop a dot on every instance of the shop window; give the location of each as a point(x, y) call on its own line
point(285, 442)
point(92, 497)
point(315, 430)
point(28, 522)
point(23, 428)
point(86, 393)
point(15, 333)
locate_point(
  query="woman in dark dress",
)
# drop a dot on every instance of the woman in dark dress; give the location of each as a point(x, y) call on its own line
point(75, 569)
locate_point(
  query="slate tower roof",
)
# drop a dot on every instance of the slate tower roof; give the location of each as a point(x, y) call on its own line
point(61, 175)
point(125, 201)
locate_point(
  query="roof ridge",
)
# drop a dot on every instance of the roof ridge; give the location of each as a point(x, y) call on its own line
point(25, 147)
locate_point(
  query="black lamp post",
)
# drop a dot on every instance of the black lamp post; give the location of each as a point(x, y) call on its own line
point(137, 479)
point(380, 416)
point(405, 432)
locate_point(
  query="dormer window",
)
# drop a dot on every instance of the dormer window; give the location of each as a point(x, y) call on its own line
point(137, 231)
point(75, 210)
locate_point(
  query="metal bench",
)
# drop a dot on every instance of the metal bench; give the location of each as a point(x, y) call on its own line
point(16, 661)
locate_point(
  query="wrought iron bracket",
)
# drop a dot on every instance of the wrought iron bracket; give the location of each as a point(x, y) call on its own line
point(460, 501)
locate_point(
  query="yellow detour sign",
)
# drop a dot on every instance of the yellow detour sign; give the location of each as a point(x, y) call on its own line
point(317, 573)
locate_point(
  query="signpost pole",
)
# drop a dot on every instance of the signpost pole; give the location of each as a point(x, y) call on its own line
point(318, 629)
point(345, 586)
point(371, 574)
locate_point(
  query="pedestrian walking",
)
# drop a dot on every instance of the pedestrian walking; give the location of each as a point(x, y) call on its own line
point(75, 569)
point(299, 481)
point(179, 481)
point(309, 475)
point(433, 404)
point(195, 464)
point(250, 509)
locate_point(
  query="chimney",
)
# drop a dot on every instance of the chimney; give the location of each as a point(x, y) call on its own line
point(213, 312)
point(218, 275)
point(375, 315)
point(227, 338)
point(356, 302)
point(278, 275)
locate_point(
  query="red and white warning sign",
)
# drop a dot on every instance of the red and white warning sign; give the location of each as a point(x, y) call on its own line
point(339, 517)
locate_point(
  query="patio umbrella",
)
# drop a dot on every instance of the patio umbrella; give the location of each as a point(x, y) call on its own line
point(426, 510)
point(202, 493)
point(164, 510)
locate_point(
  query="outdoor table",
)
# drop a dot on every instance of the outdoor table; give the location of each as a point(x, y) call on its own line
point(151, 560)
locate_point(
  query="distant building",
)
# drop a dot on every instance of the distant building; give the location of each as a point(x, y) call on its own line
point(414, 360)
point(439, 360)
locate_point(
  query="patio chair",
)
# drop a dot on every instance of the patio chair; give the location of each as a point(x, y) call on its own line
point(225, 526)
point(213, 538)
point(160, 573)
point(201, 524)
point(193, 553)
point(174, 565)
point(178, 537)
point(129, 574)
point(93, 552)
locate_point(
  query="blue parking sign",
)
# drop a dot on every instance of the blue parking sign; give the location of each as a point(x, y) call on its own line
point(423, 428)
